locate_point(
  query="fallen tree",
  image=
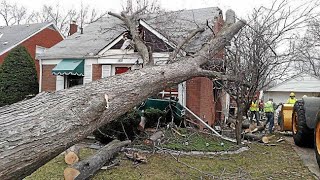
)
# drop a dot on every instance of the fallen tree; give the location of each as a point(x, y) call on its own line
point(36, 130)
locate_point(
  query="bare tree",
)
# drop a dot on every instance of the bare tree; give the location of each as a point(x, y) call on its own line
point(12, 13)
point(131, 6)
point(263, 51)
point(307, 49)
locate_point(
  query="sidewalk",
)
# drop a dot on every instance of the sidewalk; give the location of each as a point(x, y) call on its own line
point(308, 157)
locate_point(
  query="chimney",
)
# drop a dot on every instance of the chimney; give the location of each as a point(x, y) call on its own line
point(218, 22)
point(73, 28)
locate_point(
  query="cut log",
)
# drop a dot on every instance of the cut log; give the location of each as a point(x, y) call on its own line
point(258, 129)
point(71, 155)
point(252, 137)
point(87, 167)
point(266, 139)
point(250, 128)
point(231, 123)
point(34, 131)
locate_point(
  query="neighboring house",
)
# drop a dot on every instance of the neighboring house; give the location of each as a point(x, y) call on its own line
point(302, 84)
point(35, 37)
point(103, 49)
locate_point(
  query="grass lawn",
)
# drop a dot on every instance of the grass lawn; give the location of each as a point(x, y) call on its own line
point(259, 162)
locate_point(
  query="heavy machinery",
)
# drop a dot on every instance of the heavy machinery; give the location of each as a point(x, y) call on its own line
point(304, 117)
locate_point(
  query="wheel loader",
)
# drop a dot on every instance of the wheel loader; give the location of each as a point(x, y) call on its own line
point(303, 119)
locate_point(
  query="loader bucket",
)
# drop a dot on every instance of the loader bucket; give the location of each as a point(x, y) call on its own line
point(286, 117)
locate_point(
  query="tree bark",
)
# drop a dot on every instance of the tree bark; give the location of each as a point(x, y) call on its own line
point(87, 167)
point(36, 130)
point(253, 137)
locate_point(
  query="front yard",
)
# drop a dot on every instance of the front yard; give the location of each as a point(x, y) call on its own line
point(259, 162)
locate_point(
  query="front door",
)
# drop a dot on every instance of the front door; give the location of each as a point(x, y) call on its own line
point(120, 70)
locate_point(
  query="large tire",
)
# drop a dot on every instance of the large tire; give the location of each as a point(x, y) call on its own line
point(317, 140)
point(302, 135)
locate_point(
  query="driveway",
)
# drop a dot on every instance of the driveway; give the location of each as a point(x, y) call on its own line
point(308, 157)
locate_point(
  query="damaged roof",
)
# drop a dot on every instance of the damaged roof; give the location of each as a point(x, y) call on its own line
point(174, 25)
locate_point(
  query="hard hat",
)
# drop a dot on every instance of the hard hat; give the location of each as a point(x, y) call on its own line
point(292, 94)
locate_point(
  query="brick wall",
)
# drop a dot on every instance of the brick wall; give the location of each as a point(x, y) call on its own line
point(200, 98)
point(46, 38)
point(48, 79)
point(96, 71)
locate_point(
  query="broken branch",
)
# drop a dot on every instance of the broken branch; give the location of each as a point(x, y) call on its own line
point(186, 40)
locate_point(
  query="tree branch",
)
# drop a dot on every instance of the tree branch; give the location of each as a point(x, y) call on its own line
point(186, 40)
point(116, 15)
point(142, 48)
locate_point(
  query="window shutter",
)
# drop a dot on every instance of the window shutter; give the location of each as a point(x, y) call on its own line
point(87, 73)
point(106, 71)
point(59, 83)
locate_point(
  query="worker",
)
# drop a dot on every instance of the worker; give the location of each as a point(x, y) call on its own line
point(254, 110)
point(292, 98)
point(269, 110)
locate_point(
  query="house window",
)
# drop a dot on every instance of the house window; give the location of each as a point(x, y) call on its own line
point(73, 80)
point(39, 50)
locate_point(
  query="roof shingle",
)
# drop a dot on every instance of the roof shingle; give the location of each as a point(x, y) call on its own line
point(13, 35)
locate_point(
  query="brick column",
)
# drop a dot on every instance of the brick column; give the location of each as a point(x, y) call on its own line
point(200, 98)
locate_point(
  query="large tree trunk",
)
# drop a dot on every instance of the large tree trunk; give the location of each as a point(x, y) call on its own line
point(34, 131)
point(86, 168)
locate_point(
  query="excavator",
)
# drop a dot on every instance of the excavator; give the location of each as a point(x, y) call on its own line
point(303, 119)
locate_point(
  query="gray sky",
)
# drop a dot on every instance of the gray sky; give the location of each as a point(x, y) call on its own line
point(241, 7)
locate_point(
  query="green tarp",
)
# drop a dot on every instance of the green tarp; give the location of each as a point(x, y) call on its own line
point(69, 67)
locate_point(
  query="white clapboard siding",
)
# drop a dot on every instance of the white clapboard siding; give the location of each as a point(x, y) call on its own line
point(106, 71)
point(59, 83)
point(87, 73)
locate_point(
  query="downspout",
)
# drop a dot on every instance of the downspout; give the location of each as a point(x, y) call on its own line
point(40, 75)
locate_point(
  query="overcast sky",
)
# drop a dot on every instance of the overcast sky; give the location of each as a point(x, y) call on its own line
point(241, 7)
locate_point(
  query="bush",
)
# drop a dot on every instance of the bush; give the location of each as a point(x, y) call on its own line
point(152, 115)
point(112, 130)
point(18, 77)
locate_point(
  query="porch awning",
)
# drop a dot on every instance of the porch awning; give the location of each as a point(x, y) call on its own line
point(69, 67)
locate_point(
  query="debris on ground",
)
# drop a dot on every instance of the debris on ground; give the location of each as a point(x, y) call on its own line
point(136, 157)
